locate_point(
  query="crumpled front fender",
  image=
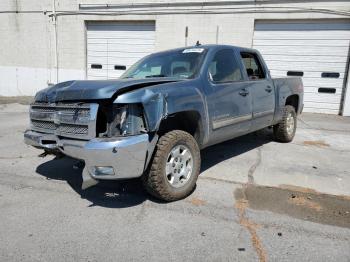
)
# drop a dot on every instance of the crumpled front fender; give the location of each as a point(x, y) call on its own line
point(154, 104)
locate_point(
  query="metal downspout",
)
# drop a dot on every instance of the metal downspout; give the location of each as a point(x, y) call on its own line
point(54, 15)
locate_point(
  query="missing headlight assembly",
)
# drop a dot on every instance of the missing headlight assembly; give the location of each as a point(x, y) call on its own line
point(122, 120)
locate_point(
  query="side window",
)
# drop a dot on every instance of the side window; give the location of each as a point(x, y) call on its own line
point(253, 66)
point(224, 68)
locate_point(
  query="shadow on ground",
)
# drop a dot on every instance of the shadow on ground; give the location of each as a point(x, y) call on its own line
point(126, 193)
point(213, 155)
point(111, 194)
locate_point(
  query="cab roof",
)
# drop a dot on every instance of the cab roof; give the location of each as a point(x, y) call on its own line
point(211, 47)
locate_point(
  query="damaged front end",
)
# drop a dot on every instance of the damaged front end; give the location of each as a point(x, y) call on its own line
point(124, 134)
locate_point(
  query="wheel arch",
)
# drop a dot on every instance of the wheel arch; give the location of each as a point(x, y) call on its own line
point(189, 121)
point(293, 100)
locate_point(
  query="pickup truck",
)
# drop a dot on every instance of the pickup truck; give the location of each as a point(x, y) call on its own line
point(153, 121)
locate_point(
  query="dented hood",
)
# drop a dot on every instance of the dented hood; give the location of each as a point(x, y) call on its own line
point(94, 90)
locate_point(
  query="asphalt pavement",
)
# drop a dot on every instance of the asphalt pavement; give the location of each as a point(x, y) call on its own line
point(255, 200)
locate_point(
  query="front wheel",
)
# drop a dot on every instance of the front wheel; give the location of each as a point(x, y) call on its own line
point(175, 167)
point(285, 130)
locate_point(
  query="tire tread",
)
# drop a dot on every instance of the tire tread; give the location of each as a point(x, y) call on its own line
point(280, 130)
point(153, 181)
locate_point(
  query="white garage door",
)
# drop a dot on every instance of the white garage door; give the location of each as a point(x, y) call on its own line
point(316, 51)
point(114, 47)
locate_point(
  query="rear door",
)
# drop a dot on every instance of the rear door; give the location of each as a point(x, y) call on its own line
point(262, 89)
point(229, 99)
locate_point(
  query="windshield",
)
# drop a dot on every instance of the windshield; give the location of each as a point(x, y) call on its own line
point(183, 63)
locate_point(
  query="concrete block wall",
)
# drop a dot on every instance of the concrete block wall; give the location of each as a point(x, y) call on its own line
point(170, 30)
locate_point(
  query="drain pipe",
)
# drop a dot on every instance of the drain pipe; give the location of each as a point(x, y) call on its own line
point(55, 39)
point(217, 35)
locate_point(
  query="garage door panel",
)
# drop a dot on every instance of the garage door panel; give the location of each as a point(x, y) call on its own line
point(314, 92)
point(300, 35)
point(97, 72)
point(121, 60)
point(122, 26)
point(335, 83)
point(121, 48)
point(333, 106)
point(130, 48)
point(303, 42)
point(121, 41)
point(307, 50)
point(96, 78)
point(96, 41)
point(318, 49)
point(114, 45)
point(114, 54)
point(320, 110)
point(118, 47)
point(108, 67)
point(308, 58)
point(97, 48)
point(97, 59)
point(302, 26)
point(106, 35)
point(115, 75)
point(112, 63)
point(307, 74)
point(305, 66)
point(323, 98)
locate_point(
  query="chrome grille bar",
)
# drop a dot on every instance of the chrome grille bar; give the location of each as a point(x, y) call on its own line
point(75, 120)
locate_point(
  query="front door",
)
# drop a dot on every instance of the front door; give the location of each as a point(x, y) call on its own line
point(229, 98)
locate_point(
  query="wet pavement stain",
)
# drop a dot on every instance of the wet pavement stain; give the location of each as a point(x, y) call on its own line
point(318, 143)
point(303, 201)
point(197, 201)
point(241, 205)
point(300, 203)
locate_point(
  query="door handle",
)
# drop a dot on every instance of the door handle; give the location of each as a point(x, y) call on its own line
point(268, 89)
point(244, 92)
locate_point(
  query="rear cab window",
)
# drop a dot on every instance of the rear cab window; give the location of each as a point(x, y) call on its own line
point(253, 66)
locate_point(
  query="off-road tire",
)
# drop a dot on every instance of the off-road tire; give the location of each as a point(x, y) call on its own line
point(280, 130)
point(155, 180)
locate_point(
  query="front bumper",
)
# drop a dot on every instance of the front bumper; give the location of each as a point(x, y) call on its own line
point(127, 156)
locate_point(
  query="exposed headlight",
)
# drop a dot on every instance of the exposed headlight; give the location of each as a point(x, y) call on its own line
point(127, 120)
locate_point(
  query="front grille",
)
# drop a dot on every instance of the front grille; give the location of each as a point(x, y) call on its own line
point(43, 125)
point(73, 129)
point(44, 109)
point(75, 120)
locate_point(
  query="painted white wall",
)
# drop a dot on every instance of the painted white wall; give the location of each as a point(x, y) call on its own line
point(26, 81)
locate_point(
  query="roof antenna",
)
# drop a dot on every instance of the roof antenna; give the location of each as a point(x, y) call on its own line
point(197, 43)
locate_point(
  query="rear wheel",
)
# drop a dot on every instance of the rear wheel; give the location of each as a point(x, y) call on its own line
point(285, 130)
point(175, 167)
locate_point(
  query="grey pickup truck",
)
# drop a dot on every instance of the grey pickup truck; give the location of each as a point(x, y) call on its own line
point(153, 121)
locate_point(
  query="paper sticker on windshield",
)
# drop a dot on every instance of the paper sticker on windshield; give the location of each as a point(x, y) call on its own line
point(193, 50)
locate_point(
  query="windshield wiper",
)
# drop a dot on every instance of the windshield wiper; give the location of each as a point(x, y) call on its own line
point(155, 76)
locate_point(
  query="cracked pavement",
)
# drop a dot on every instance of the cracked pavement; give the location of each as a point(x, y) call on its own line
point(256, 200)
